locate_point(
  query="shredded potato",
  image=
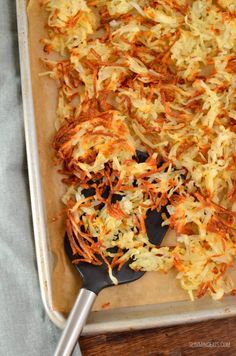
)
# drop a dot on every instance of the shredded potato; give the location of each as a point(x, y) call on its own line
point(159, 77)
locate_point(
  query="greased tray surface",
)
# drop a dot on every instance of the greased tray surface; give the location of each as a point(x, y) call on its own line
point(169, 310)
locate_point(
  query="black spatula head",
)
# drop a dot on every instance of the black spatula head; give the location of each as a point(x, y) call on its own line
point(155, 231)
point(95, 278)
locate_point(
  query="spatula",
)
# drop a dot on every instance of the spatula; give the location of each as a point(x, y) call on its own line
point(96, 278)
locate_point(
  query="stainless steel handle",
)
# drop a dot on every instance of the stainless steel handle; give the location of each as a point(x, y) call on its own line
point(75, 322)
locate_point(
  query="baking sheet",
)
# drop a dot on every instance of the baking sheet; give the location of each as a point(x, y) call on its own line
point(161, 292)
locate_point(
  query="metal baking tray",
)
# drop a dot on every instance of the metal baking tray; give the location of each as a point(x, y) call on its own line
point(131, 318)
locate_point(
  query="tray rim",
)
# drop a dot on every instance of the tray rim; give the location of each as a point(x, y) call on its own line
point(36, 192)
point(116, 320)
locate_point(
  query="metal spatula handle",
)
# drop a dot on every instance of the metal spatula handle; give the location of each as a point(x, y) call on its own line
point(75, 323)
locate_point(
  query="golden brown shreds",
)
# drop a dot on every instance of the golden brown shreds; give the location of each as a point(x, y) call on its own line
point(203, 289)
point(48, 48)
point(107, 35)
point(78, 234)
point(184, 147)
point(61, 141)
point(178, 264)
point(115, 260)
point(83, 246)
point(115, 211)
point(231, 66)
point(232, 193)
point(76, 261)
point(219, 209)
point(173, 4)
point(99, 196)
point(74, 246)
point(219, 226)
point(73, 20)
point(121, 264)
point(168, 97)
point(105, 16)
point(89, 108)
point(71, 181)
point(227, 16)
point(103, 101)
point(63, 134)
